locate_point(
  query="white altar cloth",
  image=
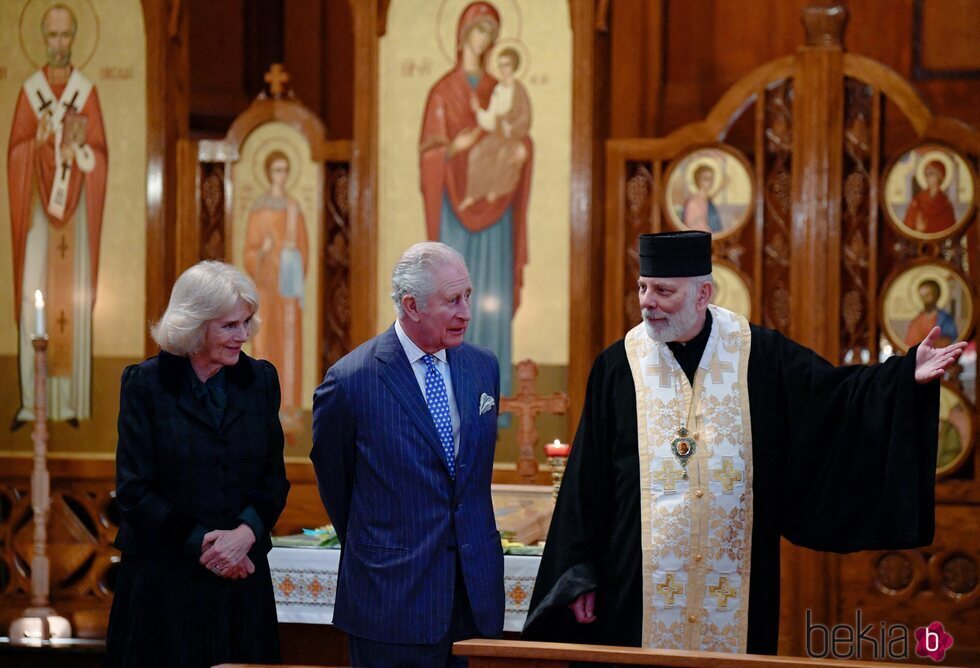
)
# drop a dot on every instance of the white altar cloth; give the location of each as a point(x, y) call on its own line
point(305, 583)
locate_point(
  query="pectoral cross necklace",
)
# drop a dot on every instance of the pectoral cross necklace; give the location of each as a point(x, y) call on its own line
point(686, 444)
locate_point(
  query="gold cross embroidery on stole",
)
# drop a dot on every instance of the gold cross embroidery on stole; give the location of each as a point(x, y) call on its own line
point(717, 368)
point(663, 370)
point(668, 475)
point(722, 592)
point(726, 475)
point(669, 589)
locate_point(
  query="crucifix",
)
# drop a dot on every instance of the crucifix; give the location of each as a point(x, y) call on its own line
point(277, 78)
point(526, 405)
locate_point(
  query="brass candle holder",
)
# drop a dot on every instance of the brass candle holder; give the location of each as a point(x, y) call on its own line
point(40, 622)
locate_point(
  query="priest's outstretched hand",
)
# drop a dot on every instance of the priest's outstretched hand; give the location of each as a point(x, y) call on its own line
point(931, 362)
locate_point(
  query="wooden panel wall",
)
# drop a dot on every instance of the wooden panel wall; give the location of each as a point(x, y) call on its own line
point(314, 38)
point(671, 60)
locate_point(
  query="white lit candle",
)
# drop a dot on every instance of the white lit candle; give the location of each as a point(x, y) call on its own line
point(39, 310)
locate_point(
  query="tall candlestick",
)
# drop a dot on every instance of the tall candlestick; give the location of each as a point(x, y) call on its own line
point(40, 622)
point(39, 311)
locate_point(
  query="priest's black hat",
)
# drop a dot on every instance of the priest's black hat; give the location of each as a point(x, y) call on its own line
point(675, 254)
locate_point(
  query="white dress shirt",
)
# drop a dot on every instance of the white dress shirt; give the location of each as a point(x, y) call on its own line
point(415, 355)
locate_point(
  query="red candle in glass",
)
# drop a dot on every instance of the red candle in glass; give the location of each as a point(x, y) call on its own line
point(557, 449)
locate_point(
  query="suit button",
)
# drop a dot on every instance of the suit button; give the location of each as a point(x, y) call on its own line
point(459, 507)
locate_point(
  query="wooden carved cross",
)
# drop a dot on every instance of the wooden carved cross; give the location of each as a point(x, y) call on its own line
point(277, 78)
point(526, 405)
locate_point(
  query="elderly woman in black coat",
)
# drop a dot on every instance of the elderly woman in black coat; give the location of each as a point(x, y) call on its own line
point(200, 482)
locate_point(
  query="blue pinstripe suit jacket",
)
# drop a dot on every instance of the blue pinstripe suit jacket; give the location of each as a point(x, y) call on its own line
point(385, 484)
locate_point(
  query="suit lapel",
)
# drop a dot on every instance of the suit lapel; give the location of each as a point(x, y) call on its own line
point(465, 403)
point(397, 374)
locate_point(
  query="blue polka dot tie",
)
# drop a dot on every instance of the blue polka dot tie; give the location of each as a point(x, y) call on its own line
point(438, 401)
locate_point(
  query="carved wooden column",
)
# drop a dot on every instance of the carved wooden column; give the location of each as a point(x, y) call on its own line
point(589, 84)
point(817, 170)
point(369, 25)
point(809, 580)
point(167, 31)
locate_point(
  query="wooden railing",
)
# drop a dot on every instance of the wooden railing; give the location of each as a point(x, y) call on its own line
point(517, 654)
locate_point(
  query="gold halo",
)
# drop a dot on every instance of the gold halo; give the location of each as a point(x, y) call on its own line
point(929, 156)
point(293, 154)
point(714, 164)
point(86, 36)
point(447, 18)
point(935, 274)
point(513, 43)
point(950, 397)
point(731, 292)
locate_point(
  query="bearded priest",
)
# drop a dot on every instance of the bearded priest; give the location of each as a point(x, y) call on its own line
point(703, 440)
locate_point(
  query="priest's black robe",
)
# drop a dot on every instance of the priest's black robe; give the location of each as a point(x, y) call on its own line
point(844, 459)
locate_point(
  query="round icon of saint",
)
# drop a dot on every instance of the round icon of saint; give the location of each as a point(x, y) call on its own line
point(710, 190)
point(731, 292)
point(929, 192)
point(955, 430)
point(923, 297)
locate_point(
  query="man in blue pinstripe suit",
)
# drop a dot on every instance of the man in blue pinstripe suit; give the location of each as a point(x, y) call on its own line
point(404, 429)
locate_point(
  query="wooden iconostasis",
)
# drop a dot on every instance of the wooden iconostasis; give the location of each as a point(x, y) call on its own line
point(816, 236)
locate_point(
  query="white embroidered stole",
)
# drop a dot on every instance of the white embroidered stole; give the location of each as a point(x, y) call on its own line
point(696, 532)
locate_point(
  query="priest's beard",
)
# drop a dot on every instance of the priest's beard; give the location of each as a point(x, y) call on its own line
point(676, 324)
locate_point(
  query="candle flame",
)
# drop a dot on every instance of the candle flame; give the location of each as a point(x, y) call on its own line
point(38, 299)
